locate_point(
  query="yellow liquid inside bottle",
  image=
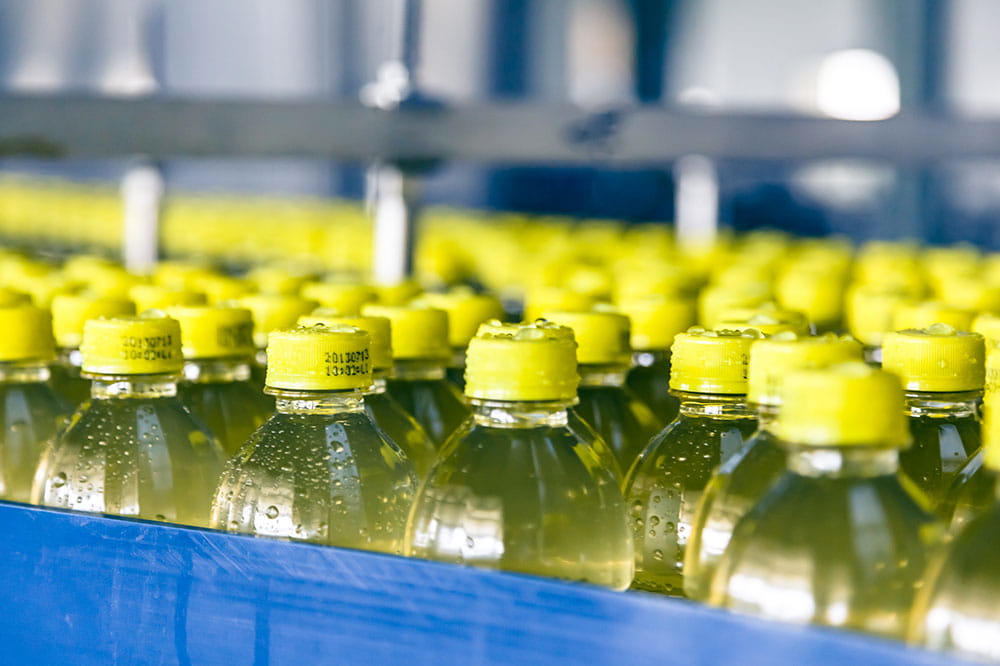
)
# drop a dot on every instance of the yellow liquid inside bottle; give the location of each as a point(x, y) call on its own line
point(667, 480)
point(219, 393)
point(422, 390)
point(649, 380)
point(734, 489)
point(400, 427)
point(516, 489)
point(132, 450)
point(841, 539)
point(65, 378)
point(957, 610)
point(972, 492)
point(30, 415)
point(318, 470)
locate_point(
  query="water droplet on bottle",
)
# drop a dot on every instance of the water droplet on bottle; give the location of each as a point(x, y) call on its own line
point(272, 512)
point(59, 480)
point(657, 554)
point(654, 521)
point(470, 542)
point(669, 527)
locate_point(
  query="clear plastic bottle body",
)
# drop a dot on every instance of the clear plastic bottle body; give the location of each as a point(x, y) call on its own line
point(649, 380)
point(946, 433)
point(972, 492)
point(735, 488)
point(318, 470)
point(667, 480)
point(624, 422)
point(400, 427)
point(132, 450)
point(841, 539)
point(516, 489)
point(31, 414)
point(957, 608)
point(422, 390)
point(220, 394)
point(455, 371)
point(65, 378)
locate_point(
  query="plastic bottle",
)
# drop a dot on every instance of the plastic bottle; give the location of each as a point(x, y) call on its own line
point(217, 344)
point(869, 313)
point(516, 488)
point(394, 421)
point(466, 311)
point(655, 322)
point(956, 609)
point(841, 539)
point(942, 371)
point(925, 313)
point(768, 318)
point(69, 313)
point(319, 469)
point(30, 411)
point(744, 479)
point(667, 480)
point(621, 420)
point(133, 449)
point(418, 383)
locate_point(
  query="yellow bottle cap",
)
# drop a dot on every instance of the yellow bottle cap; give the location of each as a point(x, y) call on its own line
point(417, 332)
point(379, 330)
point(657, 319)
point(27, 334)
point(466, 311)
point(936, 359)
point(845, 404)
point(992, 382)
point(773, 358)
point(220, 288)
point(715, 298)
point(768, 318)
point(987, 325)
point(9, 297)
point(344, 297)
point(71, 311)
point(970, 293)
point(181, 275)
point(522, 362)
point(278, 281)
point(397, 294)
point(157, 297)
point(991, 432)
point(112, 282)
point(869, 312)
point(317, 358)
point(602, 336)
point(925, 313)
point(704, 361)
point(214, 332)
point(550, 299)
point(819, 295)
point(272, 312)
point(149, 344)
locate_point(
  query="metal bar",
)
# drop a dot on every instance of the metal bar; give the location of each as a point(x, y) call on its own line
point(514, 133)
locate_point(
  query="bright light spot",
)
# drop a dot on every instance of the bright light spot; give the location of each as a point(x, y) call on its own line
point(857, 84)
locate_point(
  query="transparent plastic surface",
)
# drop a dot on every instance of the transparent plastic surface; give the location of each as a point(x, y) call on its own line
point(651, 384)
point(737, 486)
point(946, 433)
point(132, 450)
point(957, 610)
point(30, 415)
point(65, 380)
point(516, 489)
point(402, 429)
point(623, 422)
point(841, 539)
point(232, 410)
point(318, 470)
point(972, 492)
point(434, 402)
point(667, 480)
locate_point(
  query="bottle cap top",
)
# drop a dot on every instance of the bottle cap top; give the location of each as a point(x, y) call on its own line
point(869, 312)
point(547, 299)
point(773, 358)
point(417, 332)
point(602, 336)
point(343, 297)
point(466, 311)
point(705, 361)
point(657, 319)
point(317, 358)
point(522, 362)
point(149, 344)
point(214, 332)
point(992, 385)
point(936, 359)
point(157, 297)
point(817, 294)
point(925, 313)
point(845, 404)
point(71, 311)
point(272, 312)
point(27, 334)
point(379, 330)
point(987, 325)
point(768, 318)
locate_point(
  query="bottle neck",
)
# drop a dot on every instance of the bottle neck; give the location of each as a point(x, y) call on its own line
point(942, 405)
point(260, 358)
point(714, 405)
point(602, 375)
point(418, 369)
point(24, 372)
point(650, 357)
point(767, 416)
point(216, 370)
point(71, 357)
point(844, 461)
point(109, 387)
point(457, 358)
point(316, 402)
point(511, 414)
point(379, 382)
point(873, 355)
